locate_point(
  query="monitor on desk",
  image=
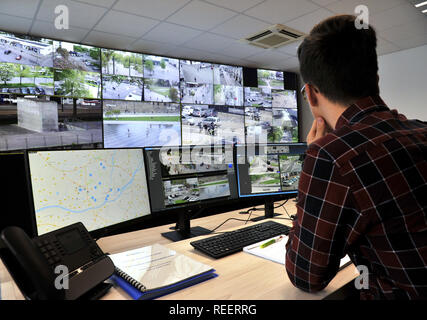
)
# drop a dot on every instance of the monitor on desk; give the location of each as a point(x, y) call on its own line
point(103, 189)
point(184, 180)
point(269, 170)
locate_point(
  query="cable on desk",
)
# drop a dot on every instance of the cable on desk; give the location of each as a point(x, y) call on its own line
point(211, 231)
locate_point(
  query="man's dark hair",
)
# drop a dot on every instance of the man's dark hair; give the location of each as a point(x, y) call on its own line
point(340, 59)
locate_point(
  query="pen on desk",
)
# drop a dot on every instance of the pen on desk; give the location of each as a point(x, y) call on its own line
point(270, 242)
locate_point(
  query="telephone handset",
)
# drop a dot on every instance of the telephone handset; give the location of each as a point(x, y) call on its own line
point(62, 264)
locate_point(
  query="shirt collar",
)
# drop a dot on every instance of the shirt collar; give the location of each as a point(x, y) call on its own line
point(356, 111)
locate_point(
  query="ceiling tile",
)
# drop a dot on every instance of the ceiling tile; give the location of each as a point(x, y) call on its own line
point(108, 40)
point(290, 48)
point(80, 14)
point(236, 5)
point(201, 15)
point(414, 28)
point(147, 46)
point(280, 11)
point(15, 24)
point(240, 26)
point(171, 33)
point(157, 9)
point(241, 50)
point(412, 42)
point(209, 42)
point(269, 57)
point(308, 21)
point(21, 8)
point(395, 16)
point(384, 47)
point(126, 24)
point(101, 3)
point(323, 2)
point(48, 30)
point(374, 6)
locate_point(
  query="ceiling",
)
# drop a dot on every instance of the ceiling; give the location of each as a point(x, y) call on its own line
point(207, 29)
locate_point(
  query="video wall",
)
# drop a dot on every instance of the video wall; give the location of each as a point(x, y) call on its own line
point(62, 94)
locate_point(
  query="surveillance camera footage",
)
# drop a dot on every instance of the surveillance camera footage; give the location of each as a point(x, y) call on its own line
point(122, 87)
point(208, 124)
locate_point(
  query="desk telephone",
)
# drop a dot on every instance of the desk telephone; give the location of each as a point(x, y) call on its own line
point(32, 262)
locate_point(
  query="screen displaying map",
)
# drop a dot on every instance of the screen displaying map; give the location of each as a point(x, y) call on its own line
point(99, 188)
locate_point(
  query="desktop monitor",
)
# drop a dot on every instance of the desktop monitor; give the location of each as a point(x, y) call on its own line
point(187, 179)
point(269, 170)
point(103, 189)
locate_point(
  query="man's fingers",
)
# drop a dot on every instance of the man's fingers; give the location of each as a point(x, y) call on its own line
point(321, 128)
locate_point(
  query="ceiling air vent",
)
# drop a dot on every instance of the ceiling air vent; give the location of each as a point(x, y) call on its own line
point(274, 37)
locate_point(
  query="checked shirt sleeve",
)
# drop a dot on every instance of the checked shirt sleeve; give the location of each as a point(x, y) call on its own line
point(317, 240)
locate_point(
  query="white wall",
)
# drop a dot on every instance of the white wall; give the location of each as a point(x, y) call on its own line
point(403, 81)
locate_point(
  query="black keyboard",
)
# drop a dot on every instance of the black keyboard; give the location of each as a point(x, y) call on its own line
point(234, 241)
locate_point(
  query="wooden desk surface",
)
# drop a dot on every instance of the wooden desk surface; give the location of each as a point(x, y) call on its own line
point(241, 276)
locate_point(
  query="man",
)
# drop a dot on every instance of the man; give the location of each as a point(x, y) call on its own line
point(362, 191)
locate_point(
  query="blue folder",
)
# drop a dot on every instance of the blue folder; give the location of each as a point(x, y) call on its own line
point(155, 293)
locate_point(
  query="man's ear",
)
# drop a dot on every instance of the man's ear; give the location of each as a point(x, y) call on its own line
point(311, 93)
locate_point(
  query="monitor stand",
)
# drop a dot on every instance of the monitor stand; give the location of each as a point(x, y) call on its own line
point(183, 230)
point(268, 211)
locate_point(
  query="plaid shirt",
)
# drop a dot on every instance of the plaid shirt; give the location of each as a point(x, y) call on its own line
point(363, 192)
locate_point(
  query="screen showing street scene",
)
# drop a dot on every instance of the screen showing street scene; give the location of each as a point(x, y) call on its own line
point(197, 72)
point(186, 160)
point(26, 50)
point(284, 99)
point(141, 124)
point(27, 123)
point(76, 56)
point(285, 126)
point(270, 79)
point(228, 75)
point(181, 191)
point(77, 83)
point(257, 97)
point(211, 187)
point(228, 95)
point(122, 87)
point(121, 63)
point(264, 173)
point(258, 122)
point(28, 80)
point(156, 67)
point(208, 124)
point(161, 90)
point(196, 93)
point(290, 169)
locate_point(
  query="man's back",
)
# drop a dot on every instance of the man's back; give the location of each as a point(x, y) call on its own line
point(363, 192)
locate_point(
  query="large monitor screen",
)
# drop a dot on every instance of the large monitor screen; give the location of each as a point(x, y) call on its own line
point(25, 79)
point(196, 72)
point(26, 50)
point(77, 83)
point(29, 122)
point(264, 170)
point(140, 124)
point(69, 55)
point(161, 90)
point(164, 68)
point(121, 63)
point(257, 97)
point(228, 75)
point(185, 176)
point(209, 124)
point(99, 188)
point(270, 79)
point(228, 95)
point(122, 87)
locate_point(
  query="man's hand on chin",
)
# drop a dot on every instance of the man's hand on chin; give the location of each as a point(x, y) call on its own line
point(318, 130)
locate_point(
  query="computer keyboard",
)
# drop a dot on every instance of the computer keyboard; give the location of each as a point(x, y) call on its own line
point(234, 241)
